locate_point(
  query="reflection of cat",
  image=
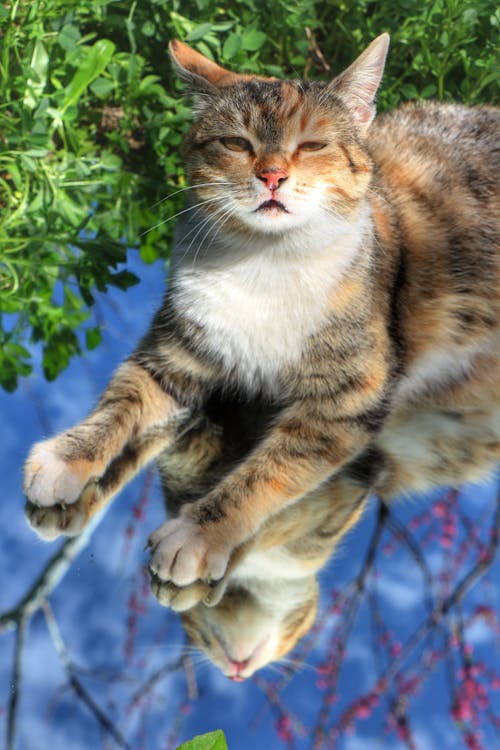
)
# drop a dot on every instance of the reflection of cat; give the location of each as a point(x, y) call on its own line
point(331, 328)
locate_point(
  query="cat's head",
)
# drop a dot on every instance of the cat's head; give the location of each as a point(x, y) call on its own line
point(270, 156)
point(253, 624)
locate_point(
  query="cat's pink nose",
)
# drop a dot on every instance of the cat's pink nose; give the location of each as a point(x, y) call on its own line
point(273, 177)
point(237, 668)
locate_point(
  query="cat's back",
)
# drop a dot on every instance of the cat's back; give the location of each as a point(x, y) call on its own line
point(442, 161)
point(438, 135)
point(436, 207)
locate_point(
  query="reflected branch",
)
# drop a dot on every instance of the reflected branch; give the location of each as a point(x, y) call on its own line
point(75, 683)
point(18, 617)
point(50, 577)
point(15, 685)
point(444, 607)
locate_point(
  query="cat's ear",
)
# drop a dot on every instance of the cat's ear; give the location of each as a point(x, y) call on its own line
point(358, 84)
point(202, 75)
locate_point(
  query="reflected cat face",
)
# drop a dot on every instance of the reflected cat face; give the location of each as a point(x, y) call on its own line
point(254, 624)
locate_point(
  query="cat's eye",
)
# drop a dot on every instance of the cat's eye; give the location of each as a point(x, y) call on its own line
point(312, 146)
point(237, 144)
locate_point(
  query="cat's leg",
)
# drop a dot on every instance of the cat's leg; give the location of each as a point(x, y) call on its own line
point(49, 521)
point(295, 457)
point(425, 445)
point(307, 532)
point(420, 449)
point(99, 455)
point(189, 468)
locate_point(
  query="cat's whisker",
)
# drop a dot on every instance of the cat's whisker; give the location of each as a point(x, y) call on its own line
point(169, 649)
point(222, 220)
point(205, 219)
point(179, 213)
point(295, 666)
point(199, 226)
point(203, 662)
point(191, 187)
point(217, 218)
point(209, 220)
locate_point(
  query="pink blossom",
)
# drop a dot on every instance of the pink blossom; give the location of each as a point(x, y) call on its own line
point(462, 710)
point(440, 509)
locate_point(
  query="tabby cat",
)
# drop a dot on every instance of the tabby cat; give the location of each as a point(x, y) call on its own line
point(330, 330)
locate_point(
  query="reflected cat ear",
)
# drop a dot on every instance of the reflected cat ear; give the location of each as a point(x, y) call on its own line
point(201, 74)
point(358, 84)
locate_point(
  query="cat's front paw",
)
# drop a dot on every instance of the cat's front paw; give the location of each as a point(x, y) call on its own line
point(178, 598)
point(49, 480)
point(183, 552)
point(51, 521)
point(182, 598)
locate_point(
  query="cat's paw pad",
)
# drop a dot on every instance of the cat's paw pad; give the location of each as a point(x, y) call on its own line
point(178, 598)
point(49, 480)
point(182, 553)
point(51, 522)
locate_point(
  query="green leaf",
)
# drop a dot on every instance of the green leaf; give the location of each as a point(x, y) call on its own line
point(124, 279)
point(148, 83)
point(149, 253)
point(148, 28)
point(93, 337)
point(232, 46)
point(39, 65)
point(111, 161)
point(101, 87)
point(68, 37)
point(429, 91)
point(253, 40)
point(67, 209)
point(409, 91)
point(198, 32)
point(211, 741)
point(91, 67)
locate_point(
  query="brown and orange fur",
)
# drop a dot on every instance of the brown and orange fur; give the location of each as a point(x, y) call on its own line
point(331, 329)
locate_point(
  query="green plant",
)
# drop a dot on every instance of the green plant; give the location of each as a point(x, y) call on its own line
point(211, 741)
point(91, 119)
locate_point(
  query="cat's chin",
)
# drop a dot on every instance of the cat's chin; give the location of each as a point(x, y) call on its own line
point(240, 670)
point(272, 207)
point(273, 217)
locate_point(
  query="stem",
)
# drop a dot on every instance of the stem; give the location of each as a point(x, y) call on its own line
point(7, 41)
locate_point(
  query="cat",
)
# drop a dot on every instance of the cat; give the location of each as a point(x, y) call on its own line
point(330, 330)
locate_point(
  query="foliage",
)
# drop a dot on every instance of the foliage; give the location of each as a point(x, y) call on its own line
point(211, 741)
point(91, 120)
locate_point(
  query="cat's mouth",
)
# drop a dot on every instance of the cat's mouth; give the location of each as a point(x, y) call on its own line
point(272, 205)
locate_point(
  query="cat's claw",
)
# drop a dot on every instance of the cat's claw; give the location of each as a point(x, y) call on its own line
point(182, 554)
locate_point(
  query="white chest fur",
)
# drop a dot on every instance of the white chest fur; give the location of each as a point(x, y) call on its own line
point(258, 309)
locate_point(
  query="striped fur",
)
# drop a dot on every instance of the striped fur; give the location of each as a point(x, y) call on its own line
point(330, 329)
